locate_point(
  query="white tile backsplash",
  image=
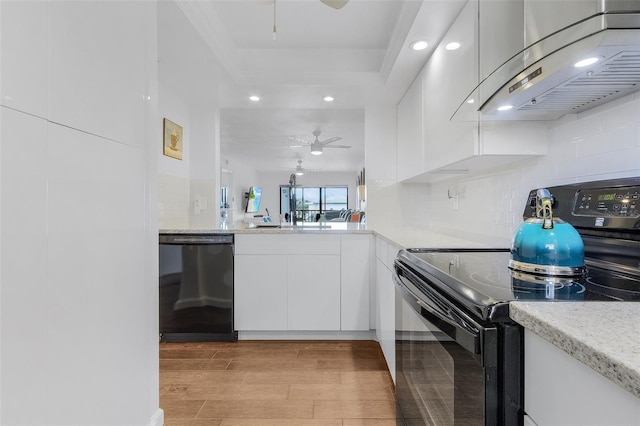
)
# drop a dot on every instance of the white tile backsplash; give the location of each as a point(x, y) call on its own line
point(204, 191)
point(601, 143)
point(173, 202)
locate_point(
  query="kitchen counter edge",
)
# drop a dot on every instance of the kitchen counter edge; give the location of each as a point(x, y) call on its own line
point(268, 230)
point(601, 335)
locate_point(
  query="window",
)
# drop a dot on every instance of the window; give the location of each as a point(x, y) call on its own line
point(309, 202)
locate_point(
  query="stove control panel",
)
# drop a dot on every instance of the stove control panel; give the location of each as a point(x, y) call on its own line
point(612, 204)
point(608, 202)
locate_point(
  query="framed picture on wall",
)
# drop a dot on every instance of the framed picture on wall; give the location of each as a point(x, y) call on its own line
point(172, 146)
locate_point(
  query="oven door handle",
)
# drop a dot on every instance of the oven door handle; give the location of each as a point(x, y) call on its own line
point(466, 334)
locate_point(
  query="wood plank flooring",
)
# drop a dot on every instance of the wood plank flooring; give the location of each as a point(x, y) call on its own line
point(275, 383)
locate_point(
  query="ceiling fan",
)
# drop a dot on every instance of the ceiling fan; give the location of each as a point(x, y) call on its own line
point(317, 145)
point(336, 4)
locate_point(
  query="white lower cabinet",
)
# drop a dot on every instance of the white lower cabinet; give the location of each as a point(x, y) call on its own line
point(385, 302)
point(313, 292)
point(562, 391)
point(302, 282)
point(356, 257)
point(260, 292)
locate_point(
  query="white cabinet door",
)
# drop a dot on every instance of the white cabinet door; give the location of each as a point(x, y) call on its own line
point(287, 244)
point(23, 189)
point(387, 316)
point(356, 252)
point(99, 62)
point(456, 138)
point(450, 75)
point(25, 56)
point(561, 391)
point(302, 282)
point(410, 136)
point(313, 292)
point(260, 296)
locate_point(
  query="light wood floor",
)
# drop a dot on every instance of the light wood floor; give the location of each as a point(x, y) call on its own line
point(276, 383)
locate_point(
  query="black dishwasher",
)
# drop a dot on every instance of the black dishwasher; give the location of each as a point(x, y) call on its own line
point(196, 287)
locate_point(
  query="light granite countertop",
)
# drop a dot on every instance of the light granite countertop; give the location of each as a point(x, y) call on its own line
point(327, 227)
point(603, 335)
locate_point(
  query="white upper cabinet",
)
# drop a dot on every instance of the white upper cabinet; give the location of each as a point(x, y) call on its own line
point(84, 65)
point(449, 76)
point(455, 139)
point(98, 67)
point(25, 71)
point(410, 135)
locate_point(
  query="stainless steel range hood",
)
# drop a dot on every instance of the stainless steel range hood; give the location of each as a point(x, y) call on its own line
point(543, 83)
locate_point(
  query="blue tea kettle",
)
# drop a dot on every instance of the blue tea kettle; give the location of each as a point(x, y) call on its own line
point(547, 245)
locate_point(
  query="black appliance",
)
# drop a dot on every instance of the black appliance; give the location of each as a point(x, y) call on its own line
point(196, 287)
point(459, 357)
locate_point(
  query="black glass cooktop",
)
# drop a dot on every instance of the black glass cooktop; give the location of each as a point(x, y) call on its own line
point(481, 279)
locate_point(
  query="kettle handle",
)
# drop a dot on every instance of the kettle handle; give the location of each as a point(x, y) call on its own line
point(543, 208)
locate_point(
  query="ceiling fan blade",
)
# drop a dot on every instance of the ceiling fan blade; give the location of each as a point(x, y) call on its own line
point(334, 139)
point(336, 4)
point(299, 140)
point(337, 146)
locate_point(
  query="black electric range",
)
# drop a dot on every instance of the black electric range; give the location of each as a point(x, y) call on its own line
point(480, 280)
point(458, 302)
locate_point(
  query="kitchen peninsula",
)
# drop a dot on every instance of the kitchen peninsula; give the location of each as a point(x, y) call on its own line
point(310, 280)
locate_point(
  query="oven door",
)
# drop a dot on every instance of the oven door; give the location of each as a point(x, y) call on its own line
point(446, 363)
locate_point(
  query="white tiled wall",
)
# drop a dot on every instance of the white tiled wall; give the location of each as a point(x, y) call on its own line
point(173, 202)
point(601, 143)
point(204, 217)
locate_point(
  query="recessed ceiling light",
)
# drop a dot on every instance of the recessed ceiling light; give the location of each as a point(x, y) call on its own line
point(452, 46)
point(328, 98)
point(470, 101)
point(505, 107)
point(419, 45)
point(586, 62)
point(254, 98)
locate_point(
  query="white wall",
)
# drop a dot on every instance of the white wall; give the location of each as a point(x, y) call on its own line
point(78, 272)
point(188, 97)
point(598, 144)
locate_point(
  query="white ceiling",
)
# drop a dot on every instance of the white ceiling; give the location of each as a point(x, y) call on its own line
point(358, 54)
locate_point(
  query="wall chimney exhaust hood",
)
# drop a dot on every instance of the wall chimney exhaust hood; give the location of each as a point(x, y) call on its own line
point(543, 83)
